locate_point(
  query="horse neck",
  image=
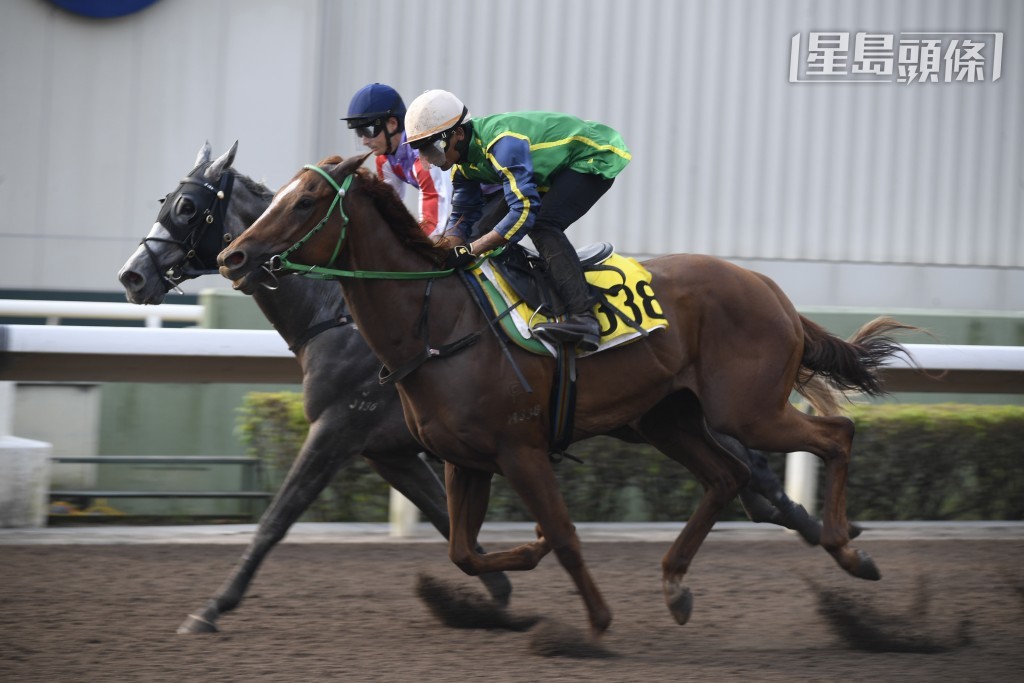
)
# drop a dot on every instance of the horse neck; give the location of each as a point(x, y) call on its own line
point(388, 310)
point(249, 199)
point(298, 303)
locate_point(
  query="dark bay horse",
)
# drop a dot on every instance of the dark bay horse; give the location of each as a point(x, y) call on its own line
point(350, 413)
point(732, 353)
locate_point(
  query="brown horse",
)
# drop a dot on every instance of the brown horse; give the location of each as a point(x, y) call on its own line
point(733, 351)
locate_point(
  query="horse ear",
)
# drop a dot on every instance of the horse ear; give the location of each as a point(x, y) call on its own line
point(222, 163)
point(347, 167)
point(204, 154)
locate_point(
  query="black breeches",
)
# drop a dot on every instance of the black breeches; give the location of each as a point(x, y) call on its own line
point(571, 195)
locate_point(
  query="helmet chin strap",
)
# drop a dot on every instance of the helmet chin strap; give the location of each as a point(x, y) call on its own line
point(462, 146)
point(387, 136)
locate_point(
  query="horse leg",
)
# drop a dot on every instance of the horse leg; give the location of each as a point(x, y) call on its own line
point(831, 439)
point(414, 479)
point(763, 498)
point(675, 427)
point(780, 508)
point(318, 461)
point(531, 476)
point(469, 492)
point(787, 512)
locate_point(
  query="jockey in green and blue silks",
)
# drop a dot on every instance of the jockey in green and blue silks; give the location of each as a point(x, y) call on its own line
point(522, 151)
point(552, 167)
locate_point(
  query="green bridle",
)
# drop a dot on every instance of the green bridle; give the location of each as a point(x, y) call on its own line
point(281, 262)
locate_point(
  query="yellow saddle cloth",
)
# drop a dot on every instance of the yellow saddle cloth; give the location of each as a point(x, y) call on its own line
point(625, 284)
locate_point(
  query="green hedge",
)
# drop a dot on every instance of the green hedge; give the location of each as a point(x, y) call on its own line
point(937, 462)
point(273, 426)
point(933, 462)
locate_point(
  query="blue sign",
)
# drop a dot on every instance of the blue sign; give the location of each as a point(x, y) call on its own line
point(102, 9)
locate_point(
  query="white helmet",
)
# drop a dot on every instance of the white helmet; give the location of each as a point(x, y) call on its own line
point(432, 113)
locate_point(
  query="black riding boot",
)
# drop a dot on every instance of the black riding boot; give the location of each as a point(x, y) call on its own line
point(580, 326)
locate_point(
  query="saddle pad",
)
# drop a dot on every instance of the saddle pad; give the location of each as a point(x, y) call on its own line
point(633, 297)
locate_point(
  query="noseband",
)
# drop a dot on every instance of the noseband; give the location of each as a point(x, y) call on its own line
point(281, 262)
point(206, 234)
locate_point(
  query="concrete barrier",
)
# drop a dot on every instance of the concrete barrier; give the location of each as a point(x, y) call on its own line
point(24, 482)
point(24, 472)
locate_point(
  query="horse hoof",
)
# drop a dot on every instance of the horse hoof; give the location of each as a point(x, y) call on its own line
point(680, 602)
point(499, 587)
point(866, 568)
point(854, 531)
point(195, 624)
point(599, 625)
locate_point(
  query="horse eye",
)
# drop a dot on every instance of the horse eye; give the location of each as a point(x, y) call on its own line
point(304, 204)
point(186, 207)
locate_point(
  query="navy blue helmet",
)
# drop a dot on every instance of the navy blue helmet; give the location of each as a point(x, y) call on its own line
point(372, 106)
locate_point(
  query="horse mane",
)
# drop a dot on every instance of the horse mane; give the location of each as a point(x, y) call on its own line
point(258, 189)
point(394, 212)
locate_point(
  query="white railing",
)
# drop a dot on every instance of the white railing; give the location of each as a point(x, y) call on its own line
point(135, 354)
point(55, 311)
point(47, 353)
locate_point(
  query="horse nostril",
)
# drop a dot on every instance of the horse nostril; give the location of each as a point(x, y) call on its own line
point(130, 278)
point(234, 259)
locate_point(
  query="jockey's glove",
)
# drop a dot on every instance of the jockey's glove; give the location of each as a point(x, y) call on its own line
point(458, 257)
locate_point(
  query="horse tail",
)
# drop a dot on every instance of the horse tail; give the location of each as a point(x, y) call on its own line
point(822, 397)
point(848, 365)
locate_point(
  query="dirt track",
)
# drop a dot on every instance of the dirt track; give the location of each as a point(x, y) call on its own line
point(349, 612)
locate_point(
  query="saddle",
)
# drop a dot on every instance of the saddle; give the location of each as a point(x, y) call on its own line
point(515, 287)
point(526, 273)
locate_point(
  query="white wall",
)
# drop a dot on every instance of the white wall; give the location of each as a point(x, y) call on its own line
point(881, 195)
point(100, 118)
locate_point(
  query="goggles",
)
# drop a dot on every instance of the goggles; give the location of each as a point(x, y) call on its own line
point(432, 149)
point(367, 128)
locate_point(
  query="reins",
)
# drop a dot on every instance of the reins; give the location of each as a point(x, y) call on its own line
point(281, 262)
point(386, 376)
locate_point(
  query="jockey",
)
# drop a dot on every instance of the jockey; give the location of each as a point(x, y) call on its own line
point(377, 114)
point(571, 162)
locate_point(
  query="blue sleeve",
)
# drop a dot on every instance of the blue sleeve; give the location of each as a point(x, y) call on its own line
point(467, 205)
point(511, 157)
